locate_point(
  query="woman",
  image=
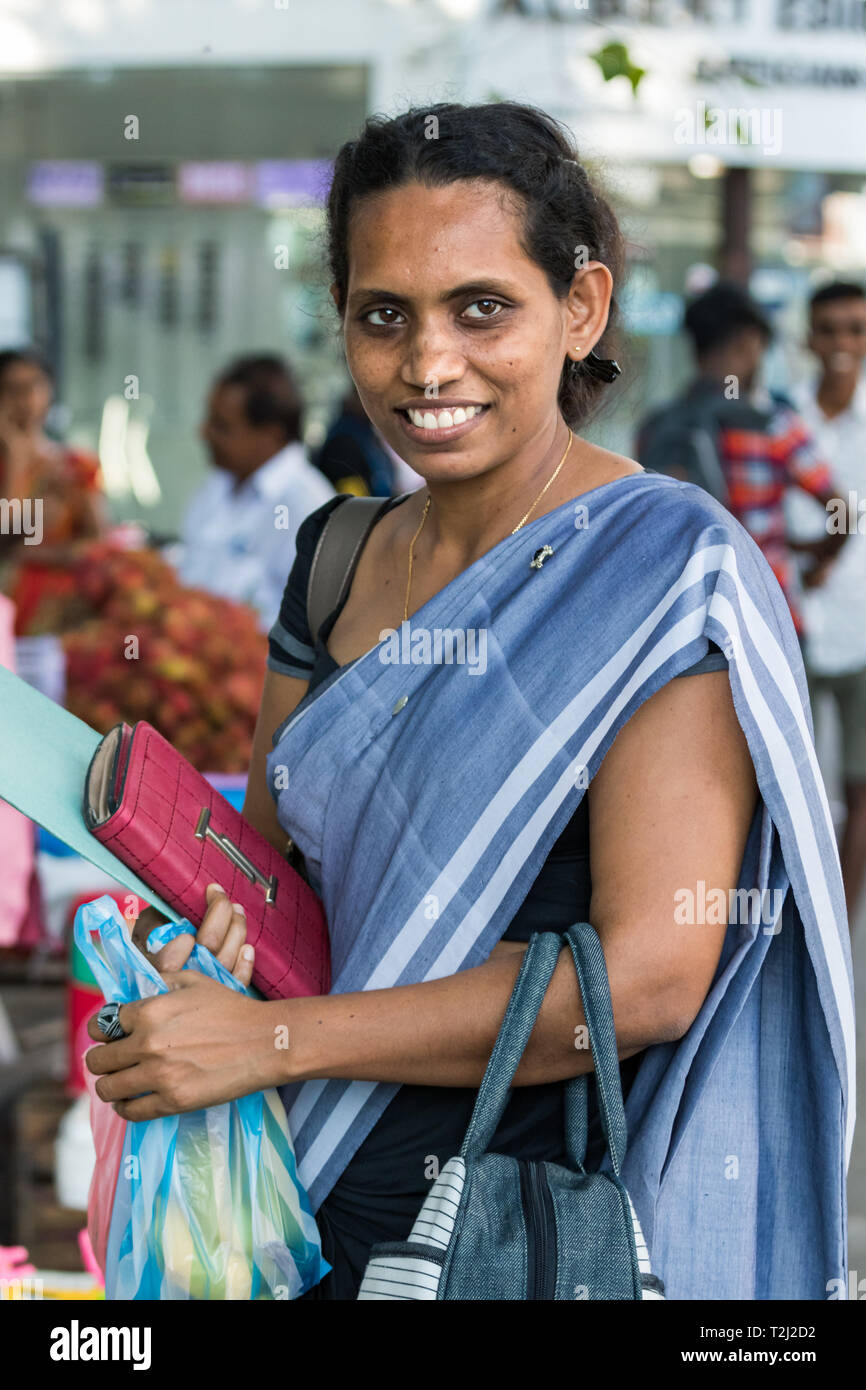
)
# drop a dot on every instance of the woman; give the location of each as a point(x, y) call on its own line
point(62, 486)
point(440, 809)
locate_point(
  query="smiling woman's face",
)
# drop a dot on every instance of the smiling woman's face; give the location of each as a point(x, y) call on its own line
point(445, 312)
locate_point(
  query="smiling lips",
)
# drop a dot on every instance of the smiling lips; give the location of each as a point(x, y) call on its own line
point(443, 417)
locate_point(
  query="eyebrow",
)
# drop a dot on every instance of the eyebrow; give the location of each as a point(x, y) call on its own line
point(469, 287)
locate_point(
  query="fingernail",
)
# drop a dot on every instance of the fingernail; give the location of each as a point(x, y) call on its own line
point(247, 952)
point(218, 886)
point(237, 907)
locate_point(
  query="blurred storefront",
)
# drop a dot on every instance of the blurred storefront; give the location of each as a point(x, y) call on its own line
point(161, 167)
point(171, 224)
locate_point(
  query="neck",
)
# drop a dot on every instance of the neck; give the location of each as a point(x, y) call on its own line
point(468, 517)
point(836, 391)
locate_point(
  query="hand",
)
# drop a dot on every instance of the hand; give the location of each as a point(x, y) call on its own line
point(223, 931)
point(200, 1044)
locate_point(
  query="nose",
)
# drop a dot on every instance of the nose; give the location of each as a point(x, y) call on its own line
point(433, 355)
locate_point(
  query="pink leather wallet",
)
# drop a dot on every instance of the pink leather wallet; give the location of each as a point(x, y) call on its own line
point(164, 820)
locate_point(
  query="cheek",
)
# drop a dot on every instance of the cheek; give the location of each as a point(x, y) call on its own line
point(521, 366)
point(372, 365)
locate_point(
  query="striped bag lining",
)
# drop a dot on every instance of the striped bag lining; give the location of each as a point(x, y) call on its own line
point(652, 1286)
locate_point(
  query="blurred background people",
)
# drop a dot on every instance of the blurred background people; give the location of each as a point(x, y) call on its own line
point(65, 483)
point(356, 459)
point(240, 527)
point(833, 404)
point(745, 444)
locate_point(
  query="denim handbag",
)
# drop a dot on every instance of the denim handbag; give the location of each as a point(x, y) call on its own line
point(497, 1227)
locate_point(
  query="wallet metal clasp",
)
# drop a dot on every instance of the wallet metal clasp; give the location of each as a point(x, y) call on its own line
point(237, 857)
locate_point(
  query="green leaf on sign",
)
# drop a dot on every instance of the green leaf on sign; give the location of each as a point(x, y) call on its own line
point(614, 61)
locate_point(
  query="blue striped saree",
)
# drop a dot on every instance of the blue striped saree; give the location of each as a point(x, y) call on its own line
point(426, 781)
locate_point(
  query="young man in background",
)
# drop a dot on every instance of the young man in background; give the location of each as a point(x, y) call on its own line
point(833, 405)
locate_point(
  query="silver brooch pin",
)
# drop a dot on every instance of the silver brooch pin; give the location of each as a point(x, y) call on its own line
point(540, 556)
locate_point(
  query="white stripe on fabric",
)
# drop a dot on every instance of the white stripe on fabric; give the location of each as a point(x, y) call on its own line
point(400, 1277)
point(304, 1102)
point(435, 1221)
point(784, 677)
point(643, 1258)
point(789, 780)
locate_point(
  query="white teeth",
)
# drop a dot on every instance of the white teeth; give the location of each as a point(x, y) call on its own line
point(443, 419)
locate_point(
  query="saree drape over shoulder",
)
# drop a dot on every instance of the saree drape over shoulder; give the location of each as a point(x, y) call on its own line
point(425, 795)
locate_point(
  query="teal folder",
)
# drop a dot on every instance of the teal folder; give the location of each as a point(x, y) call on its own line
point(44, 755)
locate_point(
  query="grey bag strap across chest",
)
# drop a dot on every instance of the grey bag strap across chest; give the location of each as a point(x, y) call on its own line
point(340, 543)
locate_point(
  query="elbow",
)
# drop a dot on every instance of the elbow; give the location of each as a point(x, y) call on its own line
point(670, 1011)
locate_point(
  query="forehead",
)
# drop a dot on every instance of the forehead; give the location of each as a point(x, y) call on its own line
point(836, 309)
point(414, 237)
point(228, 400)
point(22, 374)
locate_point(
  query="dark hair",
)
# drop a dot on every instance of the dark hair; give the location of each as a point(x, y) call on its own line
point(515, 145)
point(719, 315)
point(272, 395)
point(837, 289)
point(14, 357)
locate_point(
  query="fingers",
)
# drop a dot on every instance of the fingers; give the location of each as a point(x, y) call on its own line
point(145, 922)
point(113, 1057)
point(217, 919)
point(230, 950)
point(126, 1016)
point(123, 1085)
point(142, 1108)
point(243, 971)
point(175, 954)
point(224, 927)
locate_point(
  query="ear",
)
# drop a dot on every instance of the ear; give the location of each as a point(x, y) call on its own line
point(587, 308)
point(334, 296)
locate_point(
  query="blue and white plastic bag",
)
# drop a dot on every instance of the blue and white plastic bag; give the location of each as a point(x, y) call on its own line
point(207, 1203)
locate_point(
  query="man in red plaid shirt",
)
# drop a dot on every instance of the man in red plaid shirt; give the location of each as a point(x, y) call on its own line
point(741, 442)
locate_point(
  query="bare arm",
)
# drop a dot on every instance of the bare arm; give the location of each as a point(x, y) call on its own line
point(280, 695)
point(671, 804)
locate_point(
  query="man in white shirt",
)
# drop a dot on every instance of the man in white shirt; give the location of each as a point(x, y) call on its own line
point(240, 527)
point(834, 604)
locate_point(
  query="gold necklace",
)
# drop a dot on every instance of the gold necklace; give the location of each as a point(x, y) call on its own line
point(412, 558)
point(550, 480)
point(520, 523)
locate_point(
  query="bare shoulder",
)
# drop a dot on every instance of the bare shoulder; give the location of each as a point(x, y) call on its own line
point(684, 742)
point(597, 466)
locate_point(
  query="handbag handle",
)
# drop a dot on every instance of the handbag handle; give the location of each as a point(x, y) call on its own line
point(530, 987)
point(591, 968)
point(520, 1018)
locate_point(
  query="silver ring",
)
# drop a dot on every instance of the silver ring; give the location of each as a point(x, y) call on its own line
point(108, 1023)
